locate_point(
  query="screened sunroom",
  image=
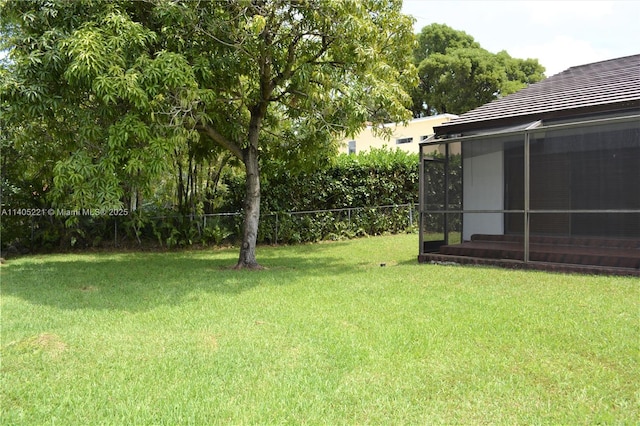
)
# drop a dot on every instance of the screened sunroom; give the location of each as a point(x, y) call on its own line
point(546, 178)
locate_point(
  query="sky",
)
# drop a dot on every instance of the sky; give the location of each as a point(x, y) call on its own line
point(560, 34)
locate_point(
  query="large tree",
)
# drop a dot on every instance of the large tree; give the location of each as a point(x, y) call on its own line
point(457, 75)
point(117, 86)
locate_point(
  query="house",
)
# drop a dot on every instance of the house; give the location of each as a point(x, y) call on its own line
point(404, 136)
point(547, 178)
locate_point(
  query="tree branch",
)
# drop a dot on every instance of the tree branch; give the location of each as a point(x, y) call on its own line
point(220, 140)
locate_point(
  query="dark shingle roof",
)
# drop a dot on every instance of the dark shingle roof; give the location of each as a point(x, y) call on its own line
point(606, 86)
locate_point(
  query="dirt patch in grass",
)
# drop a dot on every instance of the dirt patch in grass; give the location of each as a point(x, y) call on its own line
point(210, 341)
point(49, 343)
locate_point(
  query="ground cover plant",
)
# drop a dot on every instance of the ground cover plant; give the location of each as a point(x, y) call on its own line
point(325, 335)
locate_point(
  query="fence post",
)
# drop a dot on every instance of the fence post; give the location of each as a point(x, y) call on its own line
point(276, 238)
point(32, 231)
point(411, 215)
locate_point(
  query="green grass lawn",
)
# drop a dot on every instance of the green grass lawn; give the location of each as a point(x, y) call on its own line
point(325, 335)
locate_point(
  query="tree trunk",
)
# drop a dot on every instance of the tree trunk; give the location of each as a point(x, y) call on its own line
point(252, 196)
point(251, 211)
point(250, 158)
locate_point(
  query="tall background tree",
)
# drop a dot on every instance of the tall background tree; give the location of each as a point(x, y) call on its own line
point(116, 89)
point(457, 74)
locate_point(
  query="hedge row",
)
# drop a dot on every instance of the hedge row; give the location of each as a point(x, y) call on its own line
point(371, 179)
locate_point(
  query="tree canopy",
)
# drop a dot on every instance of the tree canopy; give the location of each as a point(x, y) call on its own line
point(457, 75)
point(106, 91)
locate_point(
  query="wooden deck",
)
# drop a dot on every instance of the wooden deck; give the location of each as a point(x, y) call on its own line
point(563, 254)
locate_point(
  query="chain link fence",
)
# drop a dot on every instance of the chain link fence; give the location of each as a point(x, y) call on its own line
point(57, 232)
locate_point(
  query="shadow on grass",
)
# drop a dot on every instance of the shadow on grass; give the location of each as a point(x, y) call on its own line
point(142, 281)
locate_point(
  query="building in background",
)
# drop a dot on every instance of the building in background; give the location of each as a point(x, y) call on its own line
point(406, 137)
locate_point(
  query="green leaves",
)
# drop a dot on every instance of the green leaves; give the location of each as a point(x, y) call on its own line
point(89, 54)
point(457, 75)
point(256, 24)
point(81, 183)
point(86, 76)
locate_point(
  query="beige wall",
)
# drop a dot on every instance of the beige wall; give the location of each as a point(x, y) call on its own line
point(417, 129)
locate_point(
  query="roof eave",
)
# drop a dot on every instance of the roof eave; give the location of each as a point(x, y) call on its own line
point(448, 129)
